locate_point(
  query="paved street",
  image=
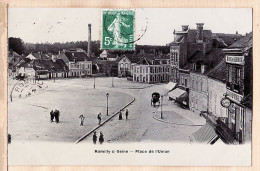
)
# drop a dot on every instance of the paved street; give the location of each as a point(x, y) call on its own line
point(29, 116)
point(142, 127)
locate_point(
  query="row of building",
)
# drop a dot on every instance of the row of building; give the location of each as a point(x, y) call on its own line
point(209, 69)
point(68, 63)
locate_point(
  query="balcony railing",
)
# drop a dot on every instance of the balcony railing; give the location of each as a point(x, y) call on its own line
point(235, 87)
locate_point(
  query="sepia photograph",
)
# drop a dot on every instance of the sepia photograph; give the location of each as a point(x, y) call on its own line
point(85, 83)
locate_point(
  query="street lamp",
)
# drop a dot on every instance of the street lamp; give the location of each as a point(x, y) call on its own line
point(94, 82)
point(161, 106)
point(112, 81)
point(107, 103)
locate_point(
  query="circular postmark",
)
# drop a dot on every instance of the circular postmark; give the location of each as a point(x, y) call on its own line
point(123, 27)
point(26, 88)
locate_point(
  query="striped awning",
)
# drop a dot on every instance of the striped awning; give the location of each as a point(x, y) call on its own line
point(206, 134)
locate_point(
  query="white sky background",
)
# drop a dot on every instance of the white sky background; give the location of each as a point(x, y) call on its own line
point(66, 24)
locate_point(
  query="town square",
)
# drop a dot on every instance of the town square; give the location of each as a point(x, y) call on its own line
point(122, 79)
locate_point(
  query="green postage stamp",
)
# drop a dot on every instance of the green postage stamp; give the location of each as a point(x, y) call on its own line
point(118, 29)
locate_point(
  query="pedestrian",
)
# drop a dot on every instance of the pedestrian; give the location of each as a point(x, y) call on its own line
point(52, 115)
point(126, 114)
point(57, 115)
point(94, 137)
point(120, 115)
point(81, 120)
point(101, 137)
point(99, 118)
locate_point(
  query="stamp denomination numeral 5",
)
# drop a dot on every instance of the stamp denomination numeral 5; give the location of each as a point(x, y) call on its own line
point(107, 40)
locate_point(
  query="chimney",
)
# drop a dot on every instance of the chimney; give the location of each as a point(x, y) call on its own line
point(185, 27)
point(202, 68)
point(89, 40)
point(40, 54)
point(53, 57)
point(141, 61)
point(194, 66)
point(199, 37)
point(204, 49)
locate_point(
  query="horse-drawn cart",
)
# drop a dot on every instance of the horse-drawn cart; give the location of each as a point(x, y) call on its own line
point(155, 98)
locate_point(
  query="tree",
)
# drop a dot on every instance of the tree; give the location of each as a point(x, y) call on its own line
point(16, 44)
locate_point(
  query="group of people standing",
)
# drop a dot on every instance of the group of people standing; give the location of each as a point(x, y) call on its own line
point(121, 115)
point(55, 114)
point(100, 139)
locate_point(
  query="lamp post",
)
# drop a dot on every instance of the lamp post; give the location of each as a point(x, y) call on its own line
point(94, 83)
point(112, 81)
point(107, 102)
point(161, 106)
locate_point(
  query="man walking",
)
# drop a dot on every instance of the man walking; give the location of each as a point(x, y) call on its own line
point(126, 114)
point(120, 115)
point(101, 138)
point(57, 115)
point(81, 120)
point(52, 115)
point(94, 138)
point(99, 118)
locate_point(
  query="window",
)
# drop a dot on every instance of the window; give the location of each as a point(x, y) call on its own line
point(196, 85)
point(229, 73)
point(238, 75)
point(201, 85)
point(176, 56)
point(182, 80)
point(186, 82)
point(121, 65)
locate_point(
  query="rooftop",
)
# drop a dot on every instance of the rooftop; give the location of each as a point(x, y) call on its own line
point(244, 42)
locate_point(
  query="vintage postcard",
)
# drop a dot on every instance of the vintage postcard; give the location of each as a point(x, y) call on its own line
point(143, 86)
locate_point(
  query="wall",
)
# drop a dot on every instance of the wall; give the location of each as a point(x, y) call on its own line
point(216, 91)
point(198, 96)
point(174, 62)
point(248, 125)
point(183, 77)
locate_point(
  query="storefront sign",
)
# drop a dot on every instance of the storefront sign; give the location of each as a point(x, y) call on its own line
point(234, 96)
point(235, 60)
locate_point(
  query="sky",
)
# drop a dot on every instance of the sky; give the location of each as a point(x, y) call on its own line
point(41, 25)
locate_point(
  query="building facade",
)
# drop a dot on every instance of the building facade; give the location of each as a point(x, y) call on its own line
point(239, 86)
point(198, 95)
point(124, 67)
point(151, 71)
point(78, 62)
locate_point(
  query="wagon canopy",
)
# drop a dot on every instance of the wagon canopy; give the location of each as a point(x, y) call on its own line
point(156, 94)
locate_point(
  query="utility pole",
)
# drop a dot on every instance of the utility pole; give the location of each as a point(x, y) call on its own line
point(161, 106)
point(94, 83)
point(112, 81)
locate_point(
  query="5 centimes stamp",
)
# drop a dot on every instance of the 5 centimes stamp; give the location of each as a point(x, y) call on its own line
point(118, 29)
